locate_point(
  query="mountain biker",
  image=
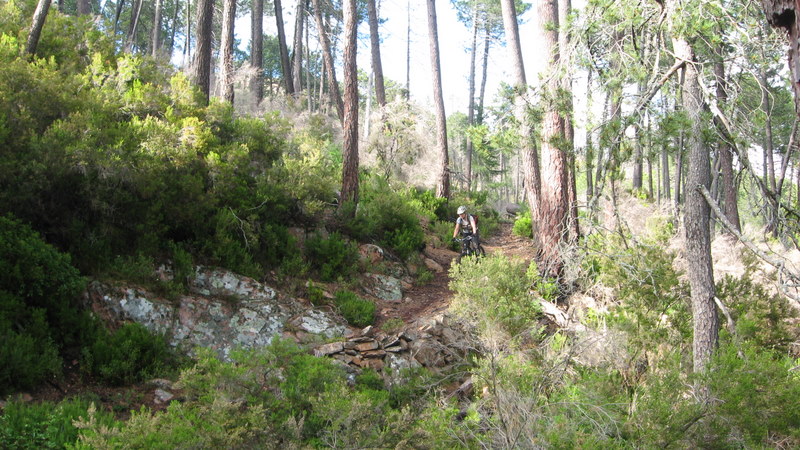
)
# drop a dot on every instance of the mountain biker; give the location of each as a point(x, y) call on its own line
point(466, 225)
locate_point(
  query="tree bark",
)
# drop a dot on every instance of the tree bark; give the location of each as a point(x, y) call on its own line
point(297, 64)
point(188, 44)
point(443, 181)
point(485, 73)
point(39, 17)
point(565, 53)
point(327, 57)
point(201, 67)
point(287, 71)
point(375, 46)
point(172, 29)
point(769, 159)
point(530, 158)
point(471, 97)
point(696, 219)
point(727, 183)
point(84, 7)
point(226, 51)
point(553, 203)
point(257, 50)
point(117, 13)
point(408, 50)
point(155, 46)
point(134, 25)
point(350, 125)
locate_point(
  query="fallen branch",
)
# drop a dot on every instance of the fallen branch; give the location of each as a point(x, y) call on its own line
point(776, 263)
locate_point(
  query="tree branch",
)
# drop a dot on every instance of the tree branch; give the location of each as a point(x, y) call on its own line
point(780, 265)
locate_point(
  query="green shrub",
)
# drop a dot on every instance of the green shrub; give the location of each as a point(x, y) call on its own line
point(369, 379)
point(129, 355)
point(316, 295)
point(494, 290)
point(406, 242)
point(385, 216)
point(331, 257)
point(523, 226)
point(45, 425)
point(653, 301)
point(357, 311)
point(40, 276)
point(761, 317)
point(27, 356)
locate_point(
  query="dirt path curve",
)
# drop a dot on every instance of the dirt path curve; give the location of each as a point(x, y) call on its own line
point(434, 297)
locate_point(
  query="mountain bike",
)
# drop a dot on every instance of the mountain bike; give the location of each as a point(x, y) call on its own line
point(469, 248)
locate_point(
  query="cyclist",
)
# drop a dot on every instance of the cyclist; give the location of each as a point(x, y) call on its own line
point(466, 225)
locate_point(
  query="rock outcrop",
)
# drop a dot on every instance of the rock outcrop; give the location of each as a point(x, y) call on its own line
point(224, 311)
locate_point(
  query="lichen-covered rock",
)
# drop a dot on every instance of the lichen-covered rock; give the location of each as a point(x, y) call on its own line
point(221, 283)
point(383, 287)
point(318, 322)
point(225, 311)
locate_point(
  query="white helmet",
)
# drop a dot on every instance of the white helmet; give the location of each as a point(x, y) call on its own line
point(462, 209)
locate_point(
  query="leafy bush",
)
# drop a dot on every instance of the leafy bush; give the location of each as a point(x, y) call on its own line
point(761, 317)
point(357, 311)
point(45, 425)
point(27, 356)
point(523, 225)
point(129, 355)
point(494, 290)
point(653, 302)
point(385, 216)
point(40, 310)
point(331, 257)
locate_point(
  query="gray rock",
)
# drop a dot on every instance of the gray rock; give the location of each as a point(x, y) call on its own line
point(384, 287)
point(162, 396)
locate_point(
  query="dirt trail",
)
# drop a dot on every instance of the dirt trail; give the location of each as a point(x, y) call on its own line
point(434, 297)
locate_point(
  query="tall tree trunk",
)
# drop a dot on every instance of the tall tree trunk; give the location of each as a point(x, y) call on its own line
point(117, 13)
point(84, 7)
point(172, 29)
point(665, 177)
point(156, 43)
point(333, 85)
point(696, 219)
point(769, 150)
point(257, 50)
point(676, 201)
point(377, 66)
point(297, 65)
point(565, 52)
point(554, 202)
point(408, 50)
point(187, 46)
point(637, 149)
point(486, 45)
point(226, 51)
point(471, 97)
point(728, 185)
point(201, 67)
point(350, 125)
point(39, 17)
point(530, 158)
point(134, 25)
point(443, 181)
point(309, 83)
point(287, 71)
point(589, 160)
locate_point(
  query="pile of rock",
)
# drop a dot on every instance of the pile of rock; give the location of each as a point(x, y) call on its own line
point(434, 343)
